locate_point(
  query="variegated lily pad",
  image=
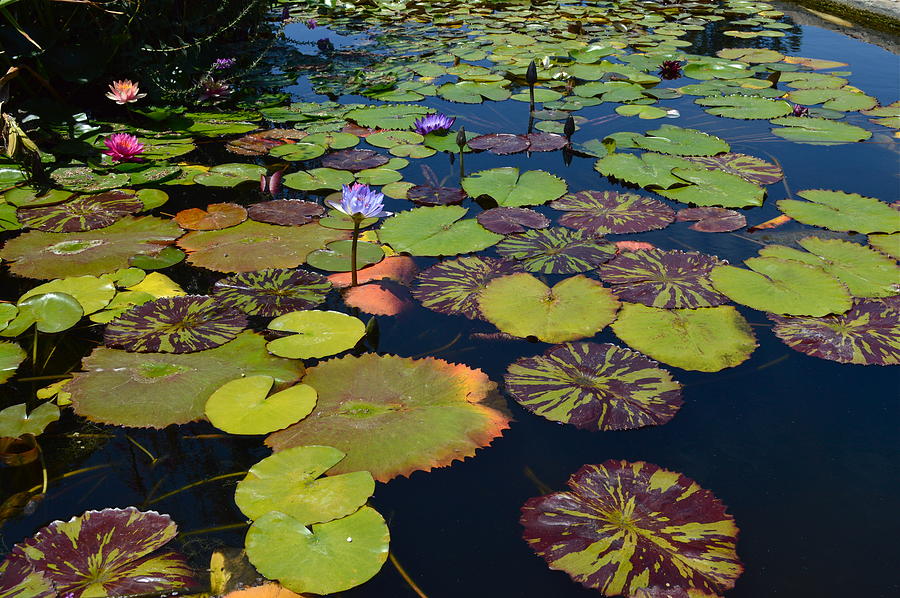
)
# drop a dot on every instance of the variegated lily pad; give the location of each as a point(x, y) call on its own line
point(19, 580)
point(452, 287)
point(108, 553)
point(286, 212)
point(354, 160)
point(506, 221)
point(594, 387)
point(85, 212)
point(869, 333)
point(557, 250)
point(625, 526)
point(670, 279)
point(273, 292)
point(749, 168)
point(610, 212)
point(175, 325)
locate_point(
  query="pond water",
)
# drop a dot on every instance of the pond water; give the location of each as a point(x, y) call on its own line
point(802, 451)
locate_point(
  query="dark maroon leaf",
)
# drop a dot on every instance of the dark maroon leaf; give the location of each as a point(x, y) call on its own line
point(258, 144)
point(286, 212)
point(354, 159)
point(272, 292)
point(610, 212)
point(175, 325)
point(712, 220)
point(83, 213)
point(557, 250)
point(435, 196)
point(452, 287)
point(545, 142)
point(500, 143)
point(506, 221)
point(19, 580)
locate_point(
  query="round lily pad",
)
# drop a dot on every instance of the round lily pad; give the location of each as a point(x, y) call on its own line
point(500, 143)
point(714, 188)
point(712, 220)
point(594, 387)
point(18, 579)
point(244, 405)
point(610, 212)
point(836, 210)
point(628, 525)
point(49, 312)
point(286, 212)
point(289, 482)
point(158, 389)
point(506, 221)
point(85, 212)
point(707, 339)
point(92, 293)
point(646, 170)
point(804, 129)
point(298, 152)
point(84, 180)
point(175, 325)
point(318, 334)
point(388, 116)
point(272, 292)
point(354, 160)
point(396, 415)
point(435, 196)
point(749, 168)
point(259, 143)
point(557, 250)
point(389, 139)
point(669, 279)
point(669, 139)
point(437, 230)
point(15, 422)
point(216, 216)
point(318, 178)
point(745, 107)
point(230, 175)
point(452, 287)
point(869, 333)
point(511, 189)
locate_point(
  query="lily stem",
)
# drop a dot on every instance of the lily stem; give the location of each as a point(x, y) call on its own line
point(353, 246)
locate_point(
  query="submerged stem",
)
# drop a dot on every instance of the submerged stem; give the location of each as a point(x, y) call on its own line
point(405, 576)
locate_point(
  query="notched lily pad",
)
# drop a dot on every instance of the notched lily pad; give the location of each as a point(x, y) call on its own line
point(85, 212)
point(272, 292)
point(354, 160)
point(435, 196)
point(216, 216)
point(506, 221)
point(452, 287)
point(610, 212)
point(285, 212)
point(557, 250)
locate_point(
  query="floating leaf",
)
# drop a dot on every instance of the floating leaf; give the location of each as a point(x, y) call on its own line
point(712, 220)
point(286, 212)
point(318, 334)
point(230, 175)
point(435, 230)
point(669, 279)
point(322, 561)
point(646, 170)
point(522, 305)
point(169, 256)
point(389, 139)
point(886, 244)
point(714, 188)
point(354, 160)
point(158, 389)
point(49, 312)
point(745, 107)
point(92, 293)
point(377, 298)
point(669, 139)
point(593, 386)
point(388, 117)
point(804, 129)
point(337, 256)
point(272, 292)
point(259, 143)
point(707, 339)
point(316, 179)
point(500, 144)
point(11, 355)
point(19, 580)
point(869, 333)
point(216, 216)
point(610, 212)
point(836, 210)
point(452, 287)
point(85, 212)
point(396, 415)
point(244, 406)
point(84, 180)
point(624, 526)
point(844, 100)
point(108, 553)
point(510, 189)
point(749, 168)
point(557, 250)
point(505, 221)
point(298, 152)
point(15, 422)
point(435, 196)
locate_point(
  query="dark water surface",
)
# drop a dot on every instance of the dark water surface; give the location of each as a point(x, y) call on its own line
point(803, 451)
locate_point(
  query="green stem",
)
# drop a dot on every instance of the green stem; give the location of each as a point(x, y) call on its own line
point(356, 223)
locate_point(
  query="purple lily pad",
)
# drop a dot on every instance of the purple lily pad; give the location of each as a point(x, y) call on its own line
point(112, 550)
point(667, 279)
point(611, 212)
point(272, 292)
point(19, 580)
point(712, 220)
point(452, 287)
point(557, 250)
point(83, 213)
point(546, 142)
point(506, 221)
point(285, 212)
point(354, 160)
point(435, 196)
point(175, 325)
point(501, 144)
point(749, 168)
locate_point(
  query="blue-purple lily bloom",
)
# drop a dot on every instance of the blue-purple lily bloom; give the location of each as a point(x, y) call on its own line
point(359, 199)
point(433, 123)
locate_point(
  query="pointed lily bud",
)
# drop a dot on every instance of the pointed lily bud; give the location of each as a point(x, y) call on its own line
point(569, 127)
point(531, 73)
point(461, 138)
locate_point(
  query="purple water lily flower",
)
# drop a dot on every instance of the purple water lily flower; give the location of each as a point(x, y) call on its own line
point(223, 63)
point(433, 123)
point(325, 45)
point(122, 147)
point(670, 69)
point(358, 199)
point(311, 23)
point(800, 110)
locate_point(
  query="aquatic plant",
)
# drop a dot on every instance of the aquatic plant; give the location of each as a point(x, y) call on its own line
point(311, 23)
point(124, 92)
point(799, 110)
point(214, 90)
point(123, 147)
point(221, 64)
point(433, 123)
point(670, 69)
point(359, 202)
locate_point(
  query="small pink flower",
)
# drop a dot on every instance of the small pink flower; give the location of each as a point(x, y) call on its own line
point(214, 90)
point(124, 92)
point(123, 147)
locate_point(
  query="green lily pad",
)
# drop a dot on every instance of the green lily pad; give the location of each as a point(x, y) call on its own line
point(474, 92)
point(647, 170)
point(510, 189)
point(557, 250)
point(318, 334)
point(452, 286)
point(845, 100)
point(84, 180)
point(389, 139)
point(333, 140)
point(707, 339)
point(836, 210)
point(436, 230)
point(288, 482)
point(318, 178)
point(745, 107)
point(11, 355)
point(714, 188)
point(244, 405)
point(886, 244)
point(230, 175)
point(91, 292)
point(336, 256)
point(669, 139)
point(389, 116)
point(168, 256)
point(49, 312)
point(716, 69)
point(522, 305)
point(642, 112)
point(297, 152)
point(15, 422)
point(803, 129)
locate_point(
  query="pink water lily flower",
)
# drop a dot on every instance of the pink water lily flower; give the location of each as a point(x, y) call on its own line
point(122, 147)
point(124, 92)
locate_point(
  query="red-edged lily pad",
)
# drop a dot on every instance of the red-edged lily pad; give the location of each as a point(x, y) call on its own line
point(712, 219)
point(108, 553)
point(354, 160)
point(557, 250)
point(380, 298)
point(286, 212)
point(175, 325)
point(452, 287)
point(506, 221)
point(395, 415)
point(668, 279)
point(273, 292)
point(435, 196)
point(216, 216)
point(625, 526)
point(595, 387)
point(749, 168)
point(85, 212)
point(610, 212)
point(868, 334)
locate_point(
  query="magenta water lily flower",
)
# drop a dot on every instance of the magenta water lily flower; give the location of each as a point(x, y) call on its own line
point(124, 92)
point(214, 90)
point(670, 69)
point(433, 123)
point(358, 199)
point(311, 23)
point(224, 63)
point(122, 147)
point(800, 110)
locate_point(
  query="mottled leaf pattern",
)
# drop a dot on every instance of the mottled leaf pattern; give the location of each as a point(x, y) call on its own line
point(625, 526)
point(175, 325)
point(19, 580)
point(749, 168)
point(272, 292)
point(452, 287)
point(506, 221)
point(557, 250)
point(594, 387)
point(669, 279)
point(85, 212)
point(867, 334)
point(610, 212)
point(354, 160)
